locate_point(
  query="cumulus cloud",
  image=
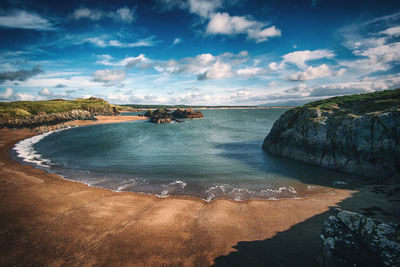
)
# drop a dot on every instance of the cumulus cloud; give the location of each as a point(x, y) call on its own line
point(223, 23)
point(393, 31)
point(204, 8)
point(123, 14)
point(299, 58)
point(7, 94)
point(250, 72)
point(45, 92)
point(24, 97)
point(204, 66)
point(109, 77)
point(311, 73)
point(21, 19)
point(20, 75)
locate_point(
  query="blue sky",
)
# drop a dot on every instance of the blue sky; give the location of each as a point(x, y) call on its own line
point(202, 52)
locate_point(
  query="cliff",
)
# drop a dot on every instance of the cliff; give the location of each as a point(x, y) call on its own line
point(358, 134)
point(44, 113)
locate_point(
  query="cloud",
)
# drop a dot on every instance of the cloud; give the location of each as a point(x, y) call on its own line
point(204, 66)
point(204, 8)
point(60, 85)
point(45, 92)
point(128, 62)
point(176, 41)
point(393, 31)
point(103, 42)
point(223, 23)
point(299, 58)
point(21, 19)
point(109, 77)
point(24, 97)
point(251, 72)
point(123, 14)
point(6, 94)
point(20, 75)
point(311, 73)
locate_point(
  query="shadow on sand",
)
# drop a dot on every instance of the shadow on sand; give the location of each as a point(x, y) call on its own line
point(299, 245)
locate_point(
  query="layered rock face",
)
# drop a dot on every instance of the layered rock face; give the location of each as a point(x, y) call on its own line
point(49, 119)
point(352, 239)
point(356, 134)
point(166, 116)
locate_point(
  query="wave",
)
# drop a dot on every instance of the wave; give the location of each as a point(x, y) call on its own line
point(25, 150)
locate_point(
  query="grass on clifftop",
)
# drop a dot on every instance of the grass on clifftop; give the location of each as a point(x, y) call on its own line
point(382, 101)
point(21, 109)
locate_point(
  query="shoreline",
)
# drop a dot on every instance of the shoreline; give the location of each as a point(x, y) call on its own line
point(48, 220)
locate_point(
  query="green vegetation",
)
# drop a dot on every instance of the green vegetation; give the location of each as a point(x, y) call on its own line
point(22, 109)
point(383, 101)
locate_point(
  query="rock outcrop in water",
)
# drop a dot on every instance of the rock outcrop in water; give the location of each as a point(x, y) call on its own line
point(352, 239)
point(358, 134)
point(164, 115)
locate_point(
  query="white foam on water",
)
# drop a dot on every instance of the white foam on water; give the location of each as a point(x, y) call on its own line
point(25, 150)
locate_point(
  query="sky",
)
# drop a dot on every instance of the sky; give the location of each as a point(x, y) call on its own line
point(198, 52)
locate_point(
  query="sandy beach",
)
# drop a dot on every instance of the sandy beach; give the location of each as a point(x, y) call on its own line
point(46, 220)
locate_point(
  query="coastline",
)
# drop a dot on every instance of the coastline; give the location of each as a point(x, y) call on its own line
point(48, 220)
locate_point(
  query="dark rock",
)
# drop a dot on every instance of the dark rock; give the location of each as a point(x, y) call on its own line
point(341, 137)
point(48, 119)
point(352, 239)
point(164, 115)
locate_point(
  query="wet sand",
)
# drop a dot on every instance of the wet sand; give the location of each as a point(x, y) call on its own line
point(46, 220)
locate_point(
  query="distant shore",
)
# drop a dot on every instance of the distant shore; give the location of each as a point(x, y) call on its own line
point(47, 220)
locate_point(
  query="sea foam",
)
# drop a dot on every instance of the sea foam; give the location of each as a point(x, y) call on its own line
point(25, 150)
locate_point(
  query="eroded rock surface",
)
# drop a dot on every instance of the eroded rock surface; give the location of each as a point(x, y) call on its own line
point(358, 134)
point(166, 116)
point(352, 239)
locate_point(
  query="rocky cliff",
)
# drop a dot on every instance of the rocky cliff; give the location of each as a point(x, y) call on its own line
point(32, 114)
point(358, 134)
point(352, 239)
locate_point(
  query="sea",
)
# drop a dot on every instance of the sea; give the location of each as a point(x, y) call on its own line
point(219, 156)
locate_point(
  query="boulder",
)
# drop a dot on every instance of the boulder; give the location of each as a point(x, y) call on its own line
point(352, 239)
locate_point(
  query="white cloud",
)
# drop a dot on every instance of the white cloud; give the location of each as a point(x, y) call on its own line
point(103, 42)
point(177, 41)
point(394, 31)
point(250, 72)
point(45, 92)
point(109, 77)
point(7, 94)
point(20, 19)
point(123, 14)
point(24, 97)
point(204, 8)
point(128, 62)
point(299, 58)
point(205, 66)
point(223, 23)
point(311, 73)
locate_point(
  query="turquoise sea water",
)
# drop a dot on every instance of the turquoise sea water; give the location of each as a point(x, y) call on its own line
point(218, 156)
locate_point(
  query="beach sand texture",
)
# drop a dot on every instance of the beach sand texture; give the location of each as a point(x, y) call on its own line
point(46, 220)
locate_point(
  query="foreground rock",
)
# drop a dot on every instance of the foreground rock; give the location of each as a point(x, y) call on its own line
point(357, 134)
point(166, 116)
point(352, 239)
